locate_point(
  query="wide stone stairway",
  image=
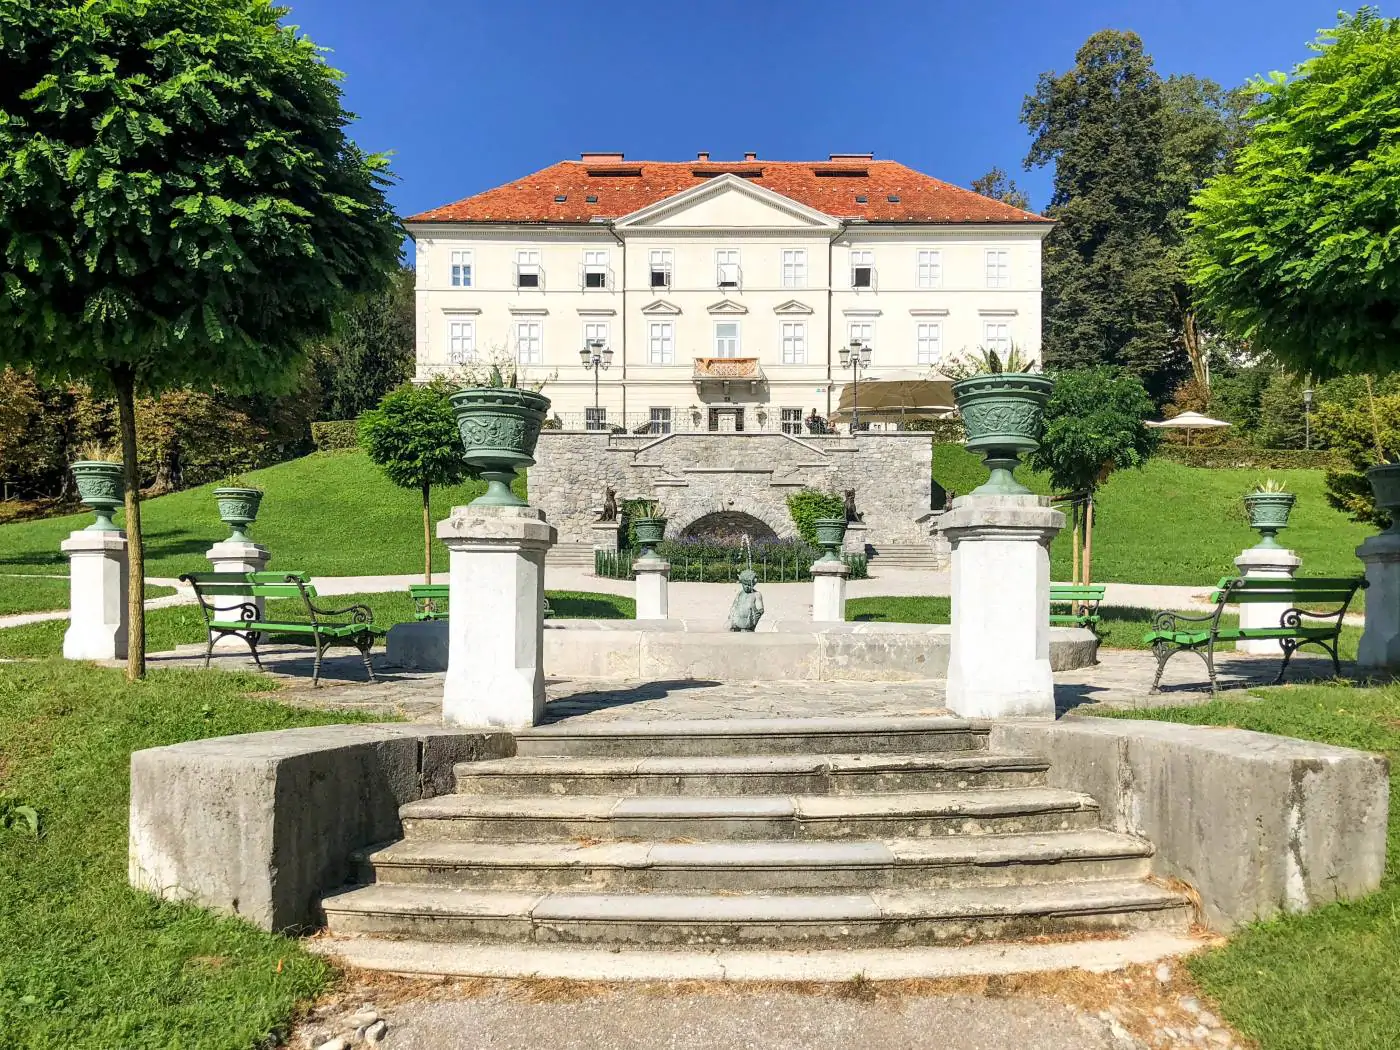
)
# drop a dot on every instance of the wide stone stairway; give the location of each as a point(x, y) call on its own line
point(774, 833)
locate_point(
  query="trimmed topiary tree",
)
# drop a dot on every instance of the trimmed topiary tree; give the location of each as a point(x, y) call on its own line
point(412, 436)
point(179, 205)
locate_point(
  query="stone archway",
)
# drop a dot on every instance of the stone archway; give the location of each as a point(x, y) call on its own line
point(729, 526)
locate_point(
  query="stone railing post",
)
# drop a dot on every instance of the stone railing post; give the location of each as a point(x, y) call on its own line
point(653, 577)
point(97, 621)
point(829, 591)
point(241, 556)
point(1379, 649)
point(999, 661)
point(495, 667)
point(1267, 564)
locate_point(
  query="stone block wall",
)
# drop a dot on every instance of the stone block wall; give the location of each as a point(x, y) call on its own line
point(696, 474)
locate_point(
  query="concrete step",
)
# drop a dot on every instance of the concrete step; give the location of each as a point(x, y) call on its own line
point(571, 554)
point(887, 917)
point(537, 818)
point(754, 736)
point(727, 867)
point(841, 774)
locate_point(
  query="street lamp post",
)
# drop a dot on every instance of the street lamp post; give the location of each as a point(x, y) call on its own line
point(856, 357)
point(1307, 417)
point(596, 356)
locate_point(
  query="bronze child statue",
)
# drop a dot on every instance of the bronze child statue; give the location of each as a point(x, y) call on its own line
point(747, 609)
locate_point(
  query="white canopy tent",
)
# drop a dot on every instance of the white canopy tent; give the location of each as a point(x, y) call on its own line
point(1189, 421)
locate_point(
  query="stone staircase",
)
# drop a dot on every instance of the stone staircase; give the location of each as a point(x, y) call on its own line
point(571, 555)
point(781, 833)
point(926, 557)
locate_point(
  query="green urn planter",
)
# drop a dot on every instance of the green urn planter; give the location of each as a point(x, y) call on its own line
point(1385, 484)
point(499, 427)
point(238, 509)
point(1268, 514)
point(101, 489)
point(831, 532)
point(1003, 413)
point(649, 532)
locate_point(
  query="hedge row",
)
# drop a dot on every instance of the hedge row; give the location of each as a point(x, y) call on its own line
point(1248, 458)
point(331, 434)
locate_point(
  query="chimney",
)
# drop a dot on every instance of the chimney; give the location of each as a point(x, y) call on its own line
point(600, 158)
point(703, 155)
point(751, 156)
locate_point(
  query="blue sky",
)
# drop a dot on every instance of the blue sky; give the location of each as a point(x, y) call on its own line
point(469, 95)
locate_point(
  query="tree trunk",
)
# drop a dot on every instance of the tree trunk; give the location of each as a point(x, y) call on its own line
point(427, 539)
point(124, 382)
point(1074, 540)
point(1088, 539)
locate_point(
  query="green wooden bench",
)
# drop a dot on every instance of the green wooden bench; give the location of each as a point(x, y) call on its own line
point(430, 601)
point(1305, 597)
point(322, 628)
point(1083, 602)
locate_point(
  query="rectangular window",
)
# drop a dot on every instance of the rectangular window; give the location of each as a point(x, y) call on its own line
point(862, 268)
point(661, 343)
point(726, 338)
point(727, 267)
point(527, 269)
point(461, 342)
point(860, 331)
point(929, 342)
point(996, 335)
point(792, 420)
point(596, 331)
point(595, 269)
point(998, 268)
point(662, 265)
point(930, 269)
point(595, 418)
point(794, 340)
point(660, 421)
point(462, 269)
point(794, 267)
point(529, 343)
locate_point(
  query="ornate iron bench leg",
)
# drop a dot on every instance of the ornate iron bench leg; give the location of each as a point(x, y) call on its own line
point(364, 644)
point(1289, 647)
point(251, 637)
point(1163, 654)
point(1209, 658)
point(316, 667)
point(209, 648)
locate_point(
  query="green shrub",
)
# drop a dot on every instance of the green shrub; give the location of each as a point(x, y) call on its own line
point(806, 506)
point(331, 434)
point(1246, 457)
point(944, 431)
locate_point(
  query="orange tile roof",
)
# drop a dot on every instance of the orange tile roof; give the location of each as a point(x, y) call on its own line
point(622, 187)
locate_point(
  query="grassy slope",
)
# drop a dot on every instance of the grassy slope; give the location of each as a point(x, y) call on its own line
point(1331, 977)
point(45, 594)
point(85, 961)
point(329, 514)
point(1168, 523)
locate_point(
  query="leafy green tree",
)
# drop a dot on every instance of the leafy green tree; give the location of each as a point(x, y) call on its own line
point(179, 204)
point(371, 352)
point(1000, 186)
point(1094, 425)
point(1281, 412)
point(1365, 432)
point(413, 437)
point(1294, 249)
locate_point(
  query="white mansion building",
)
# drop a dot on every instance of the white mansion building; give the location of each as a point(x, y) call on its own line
point(719, 294)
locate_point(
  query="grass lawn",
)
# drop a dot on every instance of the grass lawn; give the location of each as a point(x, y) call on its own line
point(1331, 977)
point(183, 624)
point(329, 514)
point(1169, 523)
point(22, 594)
point(86, 962)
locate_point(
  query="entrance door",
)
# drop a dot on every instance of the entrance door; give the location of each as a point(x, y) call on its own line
point(727, 419)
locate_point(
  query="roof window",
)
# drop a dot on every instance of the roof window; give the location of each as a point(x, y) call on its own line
point(560, 198)
point(862, 199)
point(592, 198)
point(893, 198)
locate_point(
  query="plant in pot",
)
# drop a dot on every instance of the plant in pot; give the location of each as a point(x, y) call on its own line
point(98, 473)
point(1268, 507)
point(1002, 404)
point(831, 533)
point(238, 505)
point(499, 417)
point(648, 524)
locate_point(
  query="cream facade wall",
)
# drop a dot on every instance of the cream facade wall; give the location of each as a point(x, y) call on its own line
point(794, 305)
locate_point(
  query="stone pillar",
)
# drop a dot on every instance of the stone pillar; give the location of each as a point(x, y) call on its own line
point(829, 591)
point(605, 535)
point(1269, 564)
point(97, 568)
point(653, 581)
point(495, 670)
point(999, 662)
point(1379, 649)
point(240, 556)
point(854, 540)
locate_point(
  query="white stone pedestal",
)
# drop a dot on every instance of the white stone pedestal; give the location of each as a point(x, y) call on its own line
point(1268, 564)
point(239, 556)
point(605, 534)
point(653, 581)
point(1379, 649)
point(829, 591)
point(999, 662)
point(854, 540)
point(495, 669)
point(97, 568)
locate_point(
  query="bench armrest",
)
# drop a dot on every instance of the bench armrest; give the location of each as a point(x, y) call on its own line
point(358, 613)
point(1169, 619)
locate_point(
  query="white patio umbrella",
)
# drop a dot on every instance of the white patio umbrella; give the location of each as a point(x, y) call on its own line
point(1189, 421)
point(896, 394)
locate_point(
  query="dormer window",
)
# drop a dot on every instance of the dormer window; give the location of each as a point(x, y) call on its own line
point(595, 269)
point(661, 265)
point(862, 268)
point(527, 269)
point(727, 268)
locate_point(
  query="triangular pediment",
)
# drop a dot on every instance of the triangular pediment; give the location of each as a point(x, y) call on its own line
point(727, 202)
point(792, 306)
point(661, 306)
point(727, 306)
